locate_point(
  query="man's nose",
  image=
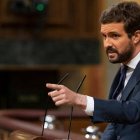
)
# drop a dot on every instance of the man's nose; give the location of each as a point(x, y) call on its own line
point(107, 43)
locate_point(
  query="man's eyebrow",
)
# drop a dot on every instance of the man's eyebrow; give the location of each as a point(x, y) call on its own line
point(110, 33)
point(113, 33)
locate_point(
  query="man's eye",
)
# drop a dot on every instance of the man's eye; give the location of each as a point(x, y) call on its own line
point(115, 35)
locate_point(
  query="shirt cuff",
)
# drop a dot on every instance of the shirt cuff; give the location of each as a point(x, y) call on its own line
point(90, 106)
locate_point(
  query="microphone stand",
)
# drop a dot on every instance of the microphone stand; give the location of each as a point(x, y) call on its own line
point(80, 84)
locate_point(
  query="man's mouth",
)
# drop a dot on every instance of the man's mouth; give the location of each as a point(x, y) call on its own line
point(111, 54)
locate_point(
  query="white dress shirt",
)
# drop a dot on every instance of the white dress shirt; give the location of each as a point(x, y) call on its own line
point(131, 66)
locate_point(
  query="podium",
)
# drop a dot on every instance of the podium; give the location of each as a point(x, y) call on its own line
point(14, 121)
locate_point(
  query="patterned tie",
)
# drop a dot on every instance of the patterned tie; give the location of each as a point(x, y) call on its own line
point(120, 86)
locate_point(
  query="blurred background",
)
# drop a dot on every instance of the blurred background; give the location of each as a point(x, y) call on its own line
point(42, 40)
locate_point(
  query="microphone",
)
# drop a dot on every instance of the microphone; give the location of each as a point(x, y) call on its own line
point(78, 87)
point(46, 110)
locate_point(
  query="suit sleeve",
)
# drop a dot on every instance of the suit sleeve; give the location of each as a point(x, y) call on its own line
point(116, 112)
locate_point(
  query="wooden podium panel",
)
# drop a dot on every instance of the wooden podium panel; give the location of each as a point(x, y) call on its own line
point(13, 121)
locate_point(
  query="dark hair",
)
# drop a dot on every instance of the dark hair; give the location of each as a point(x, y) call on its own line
point(126, 12)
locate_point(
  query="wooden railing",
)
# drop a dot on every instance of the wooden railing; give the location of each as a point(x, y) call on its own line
point(14, 120)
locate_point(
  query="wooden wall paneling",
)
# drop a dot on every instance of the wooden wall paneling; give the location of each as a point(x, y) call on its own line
point(79, 21)
point(82, 20)
point(12, 25)
point(59, 19)
point(64, 19)
point(93, 9)
point(58, 12)
point(94, 83)
point(1, 8)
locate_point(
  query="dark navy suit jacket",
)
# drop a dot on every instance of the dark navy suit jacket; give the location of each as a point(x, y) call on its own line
point(123, 116)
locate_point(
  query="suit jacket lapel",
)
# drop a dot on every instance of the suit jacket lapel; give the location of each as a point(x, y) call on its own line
point(132, 82)
point(114, 84)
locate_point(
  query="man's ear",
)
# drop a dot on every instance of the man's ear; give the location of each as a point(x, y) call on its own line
point(136, 37)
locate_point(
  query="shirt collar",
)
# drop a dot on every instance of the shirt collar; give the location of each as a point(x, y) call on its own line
point(133, 62)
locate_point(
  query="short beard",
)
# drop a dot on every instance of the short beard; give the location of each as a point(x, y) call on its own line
point(123, 57)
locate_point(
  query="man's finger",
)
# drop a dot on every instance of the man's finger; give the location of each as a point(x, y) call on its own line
point(53, 86)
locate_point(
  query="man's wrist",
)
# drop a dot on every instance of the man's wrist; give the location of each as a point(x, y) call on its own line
point(81, 101)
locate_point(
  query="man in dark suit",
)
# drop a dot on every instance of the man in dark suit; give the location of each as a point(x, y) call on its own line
point(120, 28)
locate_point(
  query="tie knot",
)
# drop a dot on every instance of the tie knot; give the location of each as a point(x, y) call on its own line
point(124, 69)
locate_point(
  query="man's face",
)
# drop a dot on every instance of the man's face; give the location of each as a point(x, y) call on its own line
point(118, 46)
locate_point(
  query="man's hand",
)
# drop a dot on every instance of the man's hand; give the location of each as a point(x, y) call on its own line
point(62, 95)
